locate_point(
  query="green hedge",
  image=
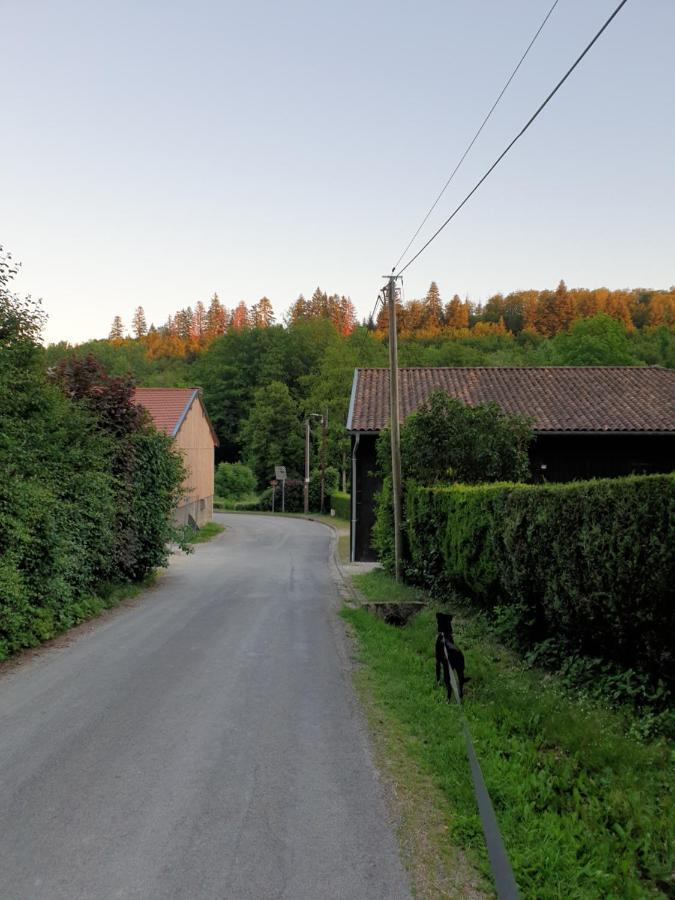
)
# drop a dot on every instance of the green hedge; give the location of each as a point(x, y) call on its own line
point(342, 504)
point(592, 563)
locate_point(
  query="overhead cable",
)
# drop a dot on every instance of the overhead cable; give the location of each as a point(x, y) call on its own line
point(516, 138)
point(477, 134)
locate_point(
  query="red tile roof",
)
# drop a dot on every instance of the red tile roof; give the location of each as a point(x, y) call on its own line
point(596, 399)
point(168, 407)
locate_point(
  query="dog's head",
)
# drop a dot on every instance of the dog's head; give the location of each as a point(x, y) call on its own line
point(444, 621)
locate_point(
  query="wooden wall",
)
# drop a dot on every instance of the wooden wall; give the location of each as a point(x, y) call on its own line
point(195, 440)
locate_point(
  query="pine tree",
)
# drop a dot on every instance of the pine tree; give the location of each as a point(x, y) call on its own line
point(117, 330)
point(216, 318)
point(198, 329)
point(432, 318)
point(298, 310)
point(240, 317)
point(138, 324)
point(318, 305)
point(262, 313)
point(456, 313)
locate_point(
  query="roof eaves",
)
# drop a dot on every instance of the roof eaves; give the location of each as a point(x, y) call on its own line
point(186, 409)
point(352, 400)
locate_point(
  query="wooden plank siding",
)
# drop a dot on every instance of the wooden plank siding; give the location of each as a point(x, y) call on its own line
point(195, 440)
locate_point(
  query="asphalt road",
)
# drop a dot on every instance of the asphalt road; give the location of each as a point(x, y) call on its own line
point(204, 743)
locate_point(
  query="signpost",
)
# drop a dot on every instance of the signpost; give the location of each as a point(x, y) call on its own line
point(280, 475)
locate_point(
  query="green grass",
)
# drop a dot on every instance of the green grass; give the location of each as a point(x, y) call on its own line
point(227, 504)
point(377, 585)
point(205, 533)
point(585, 811)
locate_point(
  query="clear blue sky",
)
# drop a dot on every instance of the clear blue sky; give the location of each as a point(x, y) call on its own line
point(156, 152)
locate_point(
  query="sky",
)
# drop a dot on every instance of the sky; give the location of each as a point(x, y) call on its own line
point(155, 152)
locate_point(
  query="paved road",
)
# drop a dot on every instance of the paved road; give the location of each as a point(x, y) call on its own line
point(203, 744)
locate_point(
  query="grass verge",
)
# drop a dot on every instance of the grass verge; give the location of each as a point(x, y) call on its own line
point(205, 533)
point(52, 625)
point(585, 811)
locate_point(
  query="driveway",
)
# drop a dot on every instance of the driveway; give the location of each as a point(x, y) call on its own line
point(203, 743)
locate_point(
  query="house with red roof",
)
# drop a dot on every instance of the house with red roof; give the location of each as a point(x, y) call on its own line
point(180, 413)
point(588, 421)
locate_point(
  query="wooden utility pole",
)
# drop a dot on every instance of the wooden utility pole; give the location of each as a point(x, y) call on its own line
point(306, 485)
point(324, 436)
point(394, 424)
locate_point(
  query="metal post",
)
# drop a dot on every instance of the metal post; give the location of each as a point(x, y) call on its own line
point(274, 490)
point(306, 486)
point(394, 425)
point(283, 495)
point(324, 435)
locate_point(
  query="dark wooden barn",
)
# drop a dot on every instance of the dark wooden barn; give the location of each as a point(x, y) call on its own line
point(589, 422)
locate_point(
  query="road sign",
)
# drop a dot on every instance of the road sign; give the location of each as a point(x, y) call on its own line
point(280, 473)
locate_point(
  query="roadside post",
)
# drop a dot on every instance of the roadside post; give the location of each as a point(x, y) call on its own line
point(274, 483)
point(280, 475)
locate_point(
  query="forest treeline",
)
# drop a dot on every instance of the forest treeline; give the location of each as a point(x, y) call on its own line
point(261, 379)
point(545, 312)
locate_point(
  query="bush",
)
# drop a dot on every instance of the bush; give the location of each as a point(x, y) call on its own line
point(342, 504)
point(446, 440)
point(591, 563)
point(234, 481)
point(87, 487)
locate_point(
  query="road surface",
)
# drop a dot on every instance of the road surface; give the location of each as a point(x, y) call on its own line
point(204, 743)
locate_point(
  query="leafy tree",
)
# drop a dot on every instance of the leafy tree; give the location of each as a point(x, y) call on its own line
point(272, 433)
point(600, 341)
point(234, 481)
point(448, 441)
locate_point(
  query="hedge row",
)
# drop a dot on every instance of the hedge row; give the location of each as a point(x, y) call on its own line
point(87, 486)
point(342, 504)
point(590, 562)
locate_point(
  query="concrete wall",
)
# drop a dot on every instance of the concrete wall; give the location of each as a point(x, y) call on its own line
point(195, 441)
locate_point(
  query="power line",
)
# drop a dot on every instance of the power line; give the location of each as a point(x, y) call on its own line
point(477, 134)
point(516, 138)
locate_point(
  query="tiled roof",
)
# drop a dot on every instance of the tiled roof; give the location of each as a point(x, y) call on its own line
point(596, 399)
point(167, 406)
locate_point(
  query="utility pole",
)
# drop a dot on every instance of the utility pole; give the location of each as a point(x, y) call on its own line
point(324, 436)
point(306, 485)
point(394, 424)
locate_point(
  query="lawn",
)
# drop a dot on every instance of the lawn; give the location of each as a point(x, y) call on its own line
point(205, 533)
point(585, 811)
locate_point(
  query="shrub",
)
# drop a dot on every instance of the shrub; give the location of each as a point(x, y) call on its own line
point(234, 481)
point(342, 504)
point(591, 563)
point(446, 440)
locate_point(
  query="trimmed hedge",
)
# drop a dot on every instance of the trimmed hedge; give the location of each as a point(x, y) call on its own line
point(342, 504)
point(590, 562)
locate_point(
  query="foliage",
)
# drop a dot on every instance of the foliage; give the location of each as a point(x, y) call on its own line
point(234, 481)
point(206, 533)
point(600, 341)
point(87, 488)
point(585, 812)
point(271, 435)
point(589, 563)
point(342, 504)
point(446, 440)
point(148, 471)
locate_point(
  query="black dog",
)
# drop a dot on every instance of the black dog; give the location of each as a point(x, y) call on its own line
point(445, 644)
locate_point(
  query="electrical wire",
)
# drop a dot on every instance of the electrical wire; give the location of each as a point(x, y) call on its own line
point(477, 134)
point(516, 138)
